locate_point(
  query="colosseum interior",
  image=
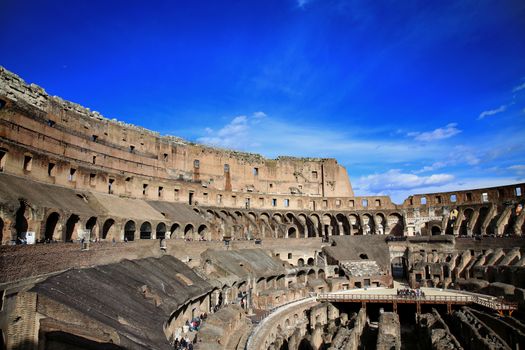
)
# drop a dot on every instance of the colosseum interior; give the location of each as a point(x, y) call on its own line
point(114, 237)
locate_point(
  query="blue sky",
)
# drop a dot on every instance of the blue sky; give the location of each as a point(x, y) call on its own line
point(410, 96)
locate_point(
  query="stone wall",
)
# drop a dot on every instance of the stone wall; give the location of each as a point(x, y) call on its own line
point(389, 332)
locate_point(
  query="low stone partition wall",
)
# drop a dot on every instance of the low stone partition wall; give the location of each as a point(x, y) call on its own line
point(224, 330)
point(280, 323)
point(438, 333)
point(348, 339)
point(473, 331)
point(26, 261)
point(389, 333)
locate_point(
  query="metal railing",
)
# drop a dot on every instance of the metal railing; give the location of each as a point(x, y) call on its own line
point(488, 301)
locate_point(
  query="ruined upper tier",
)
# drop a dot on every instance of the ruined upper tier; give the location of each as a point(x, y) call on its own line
point(135, 160)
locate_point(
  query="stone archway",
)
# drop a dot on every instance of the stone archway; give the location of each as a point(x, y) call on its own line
point(108, 229)
point(175, 230)
point(399, 267)
point(160, 231)
point(129, 231)
point(203, 231)
point(71, 227)
point(188, 231)
point(92, 226)
point(21, 225)
point(145, 230)
point(51, 225)
point(395, 224)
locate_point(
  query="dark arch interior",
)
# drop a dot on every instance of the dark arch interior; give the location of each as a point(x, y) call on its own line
point(129, 231)
point(106, 227)
point(51, 224)
point(70, 226)
point(145, 231)
point(20, 221)
point(161, 231)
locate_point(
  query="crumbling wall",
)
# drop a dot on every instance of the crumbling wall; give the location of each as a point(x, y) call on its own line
point(389, 332)
point(470, 330)
point(438, 333)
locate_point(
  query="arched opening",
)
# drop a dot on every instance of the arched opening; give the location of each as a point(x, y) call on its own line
point(311, 275)
point(188, 231)
point(175, 230)
point(363, 256)
point(91, 225)
point(107, 228)
point(51, 224)
point(310, 262)
point(467, 216)
point(381, 222)
point(292, 232)
point(342, 221)
point(71, 227)
point(321, 274)
point(368, 224)
point(478, 227)
point(202, 230)
point(21, 225)
point(161, 231)
point(145, 230)
point(399, 268)
point(129, 231)
point(300, 262)
point(436, 230)
point(317, 227)
point(354, 225)
point(328, 228)
point(395, 224)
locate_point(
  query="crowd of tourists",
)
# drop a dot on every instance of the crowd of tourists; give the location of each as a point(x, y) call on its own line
point(410, 293)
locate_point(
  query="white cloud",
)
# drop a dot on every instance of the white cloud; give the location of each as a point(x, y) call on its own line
point(491, 112)
point(233, 134)
point(438, 134)
point(433, 167)
point(272, 137)
point(395, 180)
point(519, 88)
point(518, 169)
point(303, 3)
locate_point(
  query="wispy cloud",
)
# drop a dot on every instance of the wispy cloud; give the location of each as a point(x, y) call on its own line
point(303, 3)
point(519, 88)
point(394, 180)
point(517, 169)
point(491, 112)
point(429, 168)
point(235, 134)
point(270, 136)
point(438, 134)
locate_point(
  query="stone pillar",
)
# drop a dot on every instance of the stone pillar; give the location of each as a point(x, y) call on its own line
point(340, 226)
point(330, 229)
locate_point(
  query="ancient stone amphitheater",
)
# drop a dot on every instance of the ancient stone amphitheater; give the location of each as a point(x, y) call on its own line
point(115, 237)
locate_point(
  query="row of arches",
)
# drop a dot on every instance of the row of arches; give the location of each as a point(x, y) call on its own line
point(176, 231)
point(485, 220)
point(57, 228)
point(293, 225)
